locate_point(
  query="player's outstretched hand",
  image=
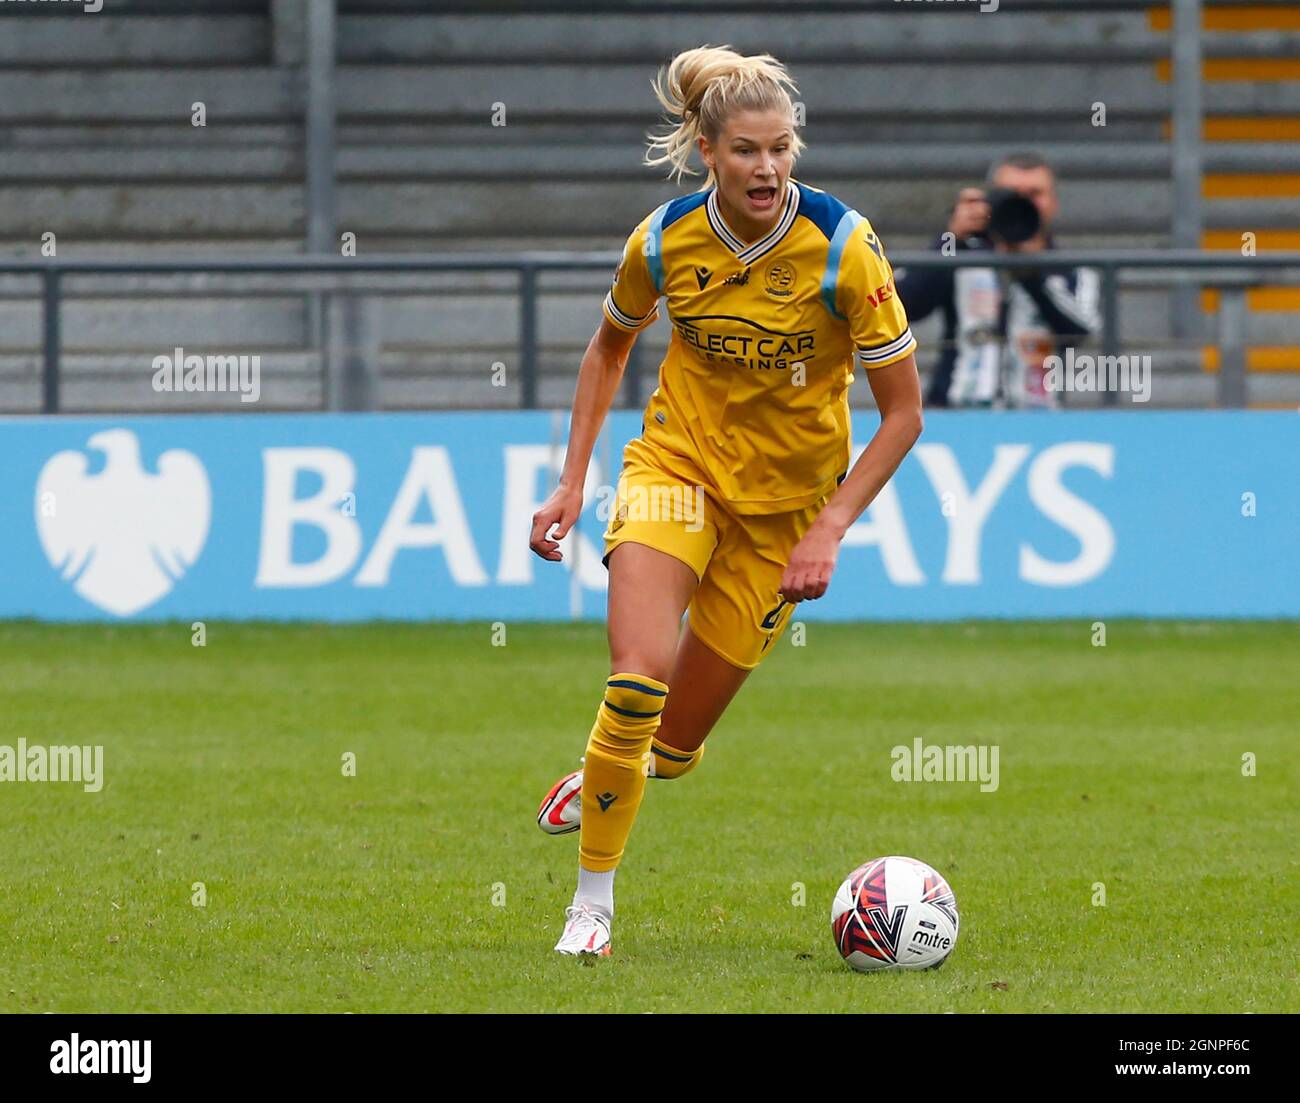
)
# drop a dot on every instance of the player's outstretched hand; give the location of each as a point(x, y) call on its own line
point(812, 562)
point(558, 512)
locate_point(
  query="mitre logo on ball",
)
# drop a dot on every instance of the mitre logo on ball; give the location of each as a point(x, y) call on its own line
point(124, 535)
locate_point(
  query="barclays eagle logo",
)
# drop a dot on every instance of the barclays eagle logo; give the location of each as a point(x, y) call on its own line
point(124, 535)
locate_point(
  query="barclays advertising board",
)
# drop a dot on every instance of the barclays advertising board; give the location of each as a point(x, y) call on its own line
point(426, 516)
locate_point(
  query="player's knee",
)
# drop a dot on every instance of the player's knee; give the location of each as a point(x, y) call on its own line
point(629, 713)
point(650, 665)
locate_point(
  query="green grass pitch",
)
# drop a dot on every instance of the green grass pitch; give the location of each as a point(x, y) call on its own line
point(423, 884)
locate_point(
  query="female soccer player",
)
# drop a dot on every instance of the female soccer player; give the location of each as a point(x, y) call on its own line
point(732, 502)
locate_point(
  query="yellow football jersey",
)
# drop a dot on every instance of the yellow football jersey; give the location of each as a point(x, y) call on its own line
point(752, 402)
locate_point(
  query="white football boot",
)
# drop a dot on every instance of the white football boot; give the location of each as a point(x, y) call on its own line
point(561, 811)
point(585, 932)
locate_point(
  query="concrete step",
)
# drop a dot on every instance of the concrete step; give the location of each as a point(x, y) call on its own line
point(548, 91)
point(894, 205)
point(916, 33)
point(65, 135)
point(149, 94)
point(579, 162)
point(151, 165)
point(148, 211)
point(156, 326)
point(230, 38)
point(843, 89)
point(1100, 159)
point(864, 127)
point(906, 33)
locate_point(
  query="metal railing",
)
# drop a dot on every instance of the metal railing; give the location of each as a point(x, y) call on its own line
point(1230, 273)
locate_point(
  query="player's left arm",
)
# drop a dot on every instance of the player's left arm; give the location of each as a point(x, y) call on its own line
point(897, 389)
point(877, 323)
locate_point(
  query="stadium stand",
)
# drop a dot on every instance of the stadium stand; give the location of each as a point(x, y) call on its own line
point(97, 146)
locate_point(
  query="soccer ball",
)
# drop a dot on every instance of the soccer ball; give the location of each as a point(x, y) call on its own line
point(561, 811)
point(894, 913)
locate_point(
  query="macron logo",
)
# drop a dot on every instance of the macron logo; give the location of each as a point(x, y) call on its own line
point(115, 1058)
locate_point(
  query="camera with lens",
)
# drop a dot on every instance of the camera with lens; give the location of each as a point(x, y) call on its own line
point(1012, 217)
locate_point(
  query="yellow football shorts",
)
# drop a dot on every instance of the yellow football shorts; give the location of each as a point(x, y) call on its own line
point(737, 611)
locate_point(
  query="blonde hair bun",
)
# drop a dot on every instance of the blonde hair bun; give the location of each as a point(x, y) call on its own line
point(701, 89)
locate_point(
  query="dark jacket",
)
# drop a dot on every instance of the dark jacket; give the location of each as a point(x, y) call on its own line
point(1065, 302)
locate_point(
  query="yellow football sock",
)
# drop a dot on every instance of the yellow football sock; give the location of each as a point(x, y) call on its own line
point(669, 762)
point(614, 770)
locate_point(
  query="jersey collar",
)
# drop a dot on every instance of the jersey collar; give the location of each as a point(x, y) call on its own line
point(747, 254)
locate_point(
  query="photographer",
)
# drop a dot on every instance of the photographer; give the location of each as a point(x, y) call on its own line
point(999, 327)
